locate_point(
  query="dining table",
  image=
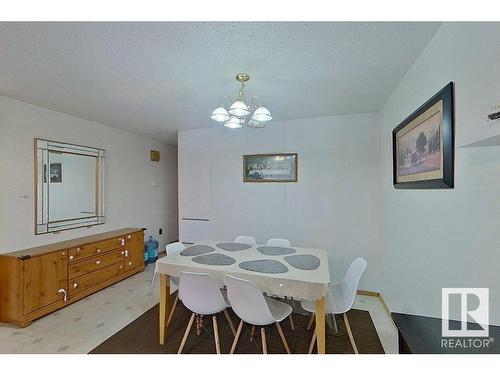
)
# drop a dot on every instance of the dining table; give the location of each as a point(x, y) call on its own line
point(300, 273)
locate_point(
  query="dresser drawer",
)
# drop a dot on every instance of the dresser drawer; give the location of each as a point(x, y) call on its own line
point(86, 251)
point(81, 283)
point(95, 263)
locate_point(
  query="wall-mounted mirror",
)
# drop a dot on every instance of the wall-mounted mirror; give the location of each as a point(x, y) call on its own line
point(69, 184)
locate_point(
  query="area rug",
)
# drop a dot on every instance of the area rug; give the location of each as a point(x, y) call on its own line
point(141, 336)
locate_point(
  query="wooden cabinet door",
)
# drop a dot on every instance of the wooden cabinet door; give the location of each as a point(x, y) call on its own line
point(134, 251)
point(44, 277)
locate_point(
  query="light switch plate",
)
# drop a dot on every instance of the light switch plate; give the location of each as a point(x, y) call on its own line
point(22, 197)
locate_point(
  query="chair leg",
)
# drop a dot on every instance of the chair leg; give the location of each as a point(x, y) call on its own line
point(285, 344)
point(172, 309)
point(230, 322)
point(190, 324)
point(313, 340)
point(349, 332)
point(252, 333)
point(292, 325)
point(311, 321)
point(264, 343)
point(235, 341)
point(216, 334)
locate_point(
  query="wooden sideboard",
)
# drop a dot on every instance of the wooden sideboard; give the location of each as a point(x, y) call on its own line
point(37, 281)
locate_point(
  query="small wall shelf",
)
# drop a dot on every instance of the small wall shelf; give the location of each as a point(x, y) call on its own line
point(486, 142)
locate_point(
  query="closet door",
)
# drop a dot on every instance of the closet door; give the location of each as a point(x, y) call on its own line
point(194, 182)
point(45, 280)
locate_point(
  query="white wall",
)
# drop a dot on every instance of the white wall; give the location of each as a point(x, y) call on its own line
point(334, 205)
point(131, 200)
point(445, 238)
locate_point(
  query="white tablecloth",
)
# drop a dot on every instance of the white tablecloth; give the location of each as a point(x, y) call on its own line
point(296, 283)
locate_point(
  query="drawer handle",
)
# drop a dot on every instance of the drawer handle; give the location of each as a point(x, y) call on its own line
point(63, 253)
point(121, 267)
point(70, 257)
point(123, 252)
point(75, 285)
point(78, 250)
point(129, 237)
point(129, 263)
point(126, 253)
point(98, 251)
point(65, 294)
point(97, 262)
point(122, 241)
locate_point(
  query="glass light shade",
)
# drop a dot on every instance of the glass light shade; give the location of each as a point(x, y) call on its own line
point(239, 109)
point(256, 124)
point(220, 114)
point(233, 123)
point(262, 114)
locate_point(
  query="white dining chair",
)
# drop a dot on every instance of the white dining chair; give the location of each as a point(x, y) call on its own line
point(201, 295)
point(281, 242)
point(246, 239)
point(340, 299)
point(252, 307)
point(171, 248)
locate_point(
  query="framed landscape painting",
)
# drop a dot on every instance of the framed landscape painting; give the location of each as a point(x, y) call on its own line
point(423, 145)
point(270, 168)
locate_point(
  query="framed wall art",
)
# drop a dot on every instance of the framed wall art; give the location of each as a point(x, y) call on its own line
point(423, 145)
point(270, 168)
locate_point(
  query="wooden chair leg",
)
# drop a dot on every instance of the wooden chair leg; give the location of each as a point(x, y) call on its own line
point(216, 334)
point(172, 309)
point(310, 322)
point(190, 324)
point(252, 333)
point(349, 332)
point(235, 341)
point(313, 340)
point(264, 343)
point(230, 322)
point(285, 344)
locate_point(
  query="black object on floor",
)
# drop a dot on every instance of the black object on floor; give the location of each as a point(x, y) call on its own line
point(423, 335)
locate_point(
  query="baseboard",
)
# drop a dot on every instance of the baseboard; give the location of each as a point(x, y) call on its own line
point(379, 296)
point(368, 293)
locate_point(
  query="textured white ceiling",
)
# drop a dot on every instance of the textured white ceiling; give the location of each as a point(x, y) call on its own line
point(157, 78)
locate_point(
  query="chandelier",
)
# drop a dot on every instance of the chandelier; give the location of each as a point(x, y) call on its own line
point(239, 113)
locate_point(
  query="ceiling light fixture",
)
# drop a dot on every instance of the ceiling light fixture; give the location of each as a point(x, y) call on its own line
point(239, 112)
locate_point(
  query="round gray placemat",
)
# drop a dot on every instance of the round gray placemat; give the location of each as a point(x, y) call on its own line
point(214, 259)
point(276, 250)
point(264, 266)
point(303, 261)
point(191, 251)
point(233, 246)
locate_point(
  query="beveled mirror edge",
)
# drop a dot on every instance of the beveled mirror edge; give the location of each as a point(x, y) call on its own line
point(44, 227)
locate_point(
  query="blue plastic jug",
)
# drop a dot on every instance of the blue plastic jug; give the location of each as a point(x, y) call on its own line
point(152, 247)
